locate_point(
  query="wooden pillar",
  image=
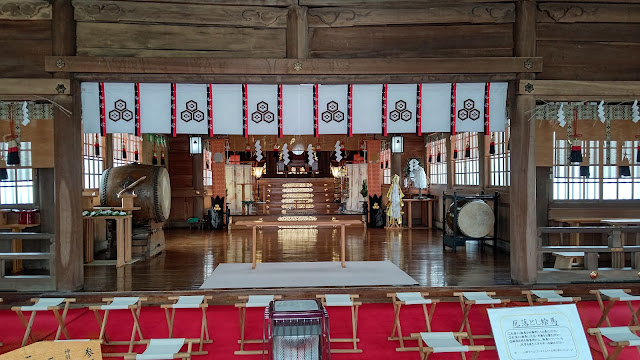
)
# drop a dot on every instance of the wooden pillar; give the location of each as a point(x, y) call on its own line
point(450, 164)
point(67, 148)
point(522, 210)
point(198, 184)
point(483, 163)
point(297, 33)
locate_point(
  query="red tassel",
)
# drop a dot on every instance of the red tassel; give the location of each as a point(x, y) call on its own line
point(430, 158)
point(135, 154)
point(492, 148)
point(455, 153)
point(467, 152)
point(162, 159)
point(155, 159)
point(438, 157)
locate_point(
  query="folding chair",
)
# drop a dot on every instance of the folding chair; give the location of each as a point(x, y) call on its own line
point(164, 349)
point(620, 337)
point(331, 300)
point(44, 304)
point(410, 298)
point(190, 302)
point(444, 342)
point(467, 300)
point(133, 304)
point(614, 295)
point(548, 296)
point(251, 301)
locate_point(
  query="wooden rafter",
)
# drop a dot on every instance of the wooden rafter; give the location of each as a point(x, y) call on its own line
point(19, 87)
point(570, 90)
point(139, 65)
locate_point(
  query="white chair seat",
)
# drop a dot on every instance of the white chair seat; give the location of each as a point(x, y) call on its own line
point(188, 302)
point(480, 297)
point(621, 333)
point(618, 293)
point(338, 300)
point(259, 300)
point(120, 303)
point(43, 304)
point(443, 342)
point(551, 296)
point(161, 349)
point(412, 298)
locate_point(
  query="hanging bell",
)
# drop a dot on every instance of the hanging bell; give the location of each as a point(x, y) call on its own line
point(438, 157)
point(162, 158)
point(492, 146)
point(467, 151)
point(154, 161)
point(624, 170)
point(96, 148)
point(455, 153)
point(576, 153)
point(585, 171)
point(13, 155)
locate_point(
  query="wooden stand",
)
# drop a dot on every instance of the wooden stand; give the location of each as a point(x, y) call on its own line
point(123, 237)
point(330, 223)
point(426, 211)
point(127, 200)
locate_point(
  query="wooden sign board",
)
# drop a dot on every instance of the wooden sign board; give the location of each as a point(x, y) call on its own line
point(57, 350)
point(539, 332)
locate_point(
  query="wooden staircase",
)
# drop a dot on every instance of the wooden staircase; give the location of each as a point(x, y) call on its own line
point(301, 196)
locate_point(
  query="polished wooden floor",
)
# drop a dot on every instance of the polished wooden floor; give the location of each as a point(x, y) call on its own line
point(191, 256)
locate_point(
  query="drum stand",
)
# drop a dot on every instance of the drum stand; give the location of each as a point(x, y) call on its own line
point(456, 238)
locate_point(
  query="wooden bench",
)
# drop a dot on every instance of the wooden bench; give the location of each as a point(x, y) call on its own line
point(28, 282)
point(568, 260)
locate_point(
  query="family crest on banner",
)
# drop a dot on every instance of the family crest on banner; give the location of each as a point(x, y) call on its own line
point(304, 109)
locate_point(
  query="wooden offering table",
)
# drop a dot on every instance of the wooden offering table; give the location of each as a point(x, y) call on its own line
point(123, 237)
point(426, 211)
point(325, 223)
point(16, 244)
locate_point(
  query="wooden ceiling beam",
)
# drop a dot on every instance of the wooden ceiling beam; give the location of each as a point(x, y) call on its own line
point(570, 90)
point(229, 66)
point(29, 87)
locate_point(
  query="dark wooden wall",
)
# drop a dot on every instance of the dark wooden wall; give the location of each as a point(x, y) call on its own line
point(589, 41)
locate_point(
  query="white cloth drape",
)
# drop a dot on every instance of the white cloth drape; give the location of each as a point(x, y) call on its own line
point(356, 174)
point(238, 177)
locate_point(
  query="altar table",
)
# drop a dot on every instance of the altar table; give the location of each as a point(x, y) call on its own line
point(325, 223)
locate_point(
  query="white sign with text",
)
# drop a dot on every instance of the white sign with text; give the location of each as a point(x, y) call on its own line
point(539, 332)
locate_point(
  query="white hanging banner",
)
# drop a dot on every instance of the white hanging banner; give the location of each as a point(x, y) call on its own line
point(332, 109)
point(297, 103)
point(191, 109)
point(227, 109)
point(401, 108)
point(367, 108)
point(119, 104)
point(469, 116)
point(262, 102)
point(436, 107)
point(90, 107)
point(155, 108)
point(498, 106)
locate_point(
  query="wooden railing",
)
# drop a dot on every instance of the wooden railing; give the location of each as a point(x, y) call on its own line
point(613, 239)
point(28, 282)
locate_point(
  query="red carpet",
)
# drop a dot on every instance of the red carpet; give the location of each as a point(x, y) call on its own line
point(374, 327)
